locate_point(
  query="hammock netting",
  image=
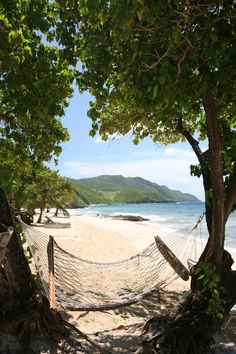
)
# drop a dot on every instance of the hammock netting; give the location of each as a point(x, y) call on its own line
point(86, 285)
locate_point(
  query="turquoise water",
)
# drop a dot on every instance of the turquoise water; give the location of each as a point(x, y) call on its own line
point(173, 216)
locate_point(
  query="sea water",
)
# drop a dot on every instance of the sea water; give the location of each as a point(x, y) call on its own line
point(172, 216)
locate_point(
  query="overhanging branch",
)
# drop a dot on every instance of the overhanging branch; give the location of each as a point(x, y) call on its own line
point(193, 142)
point(202, 158)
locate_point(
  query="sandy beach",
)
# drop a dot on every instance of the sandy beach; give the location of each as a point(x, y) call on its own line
point(103, 239)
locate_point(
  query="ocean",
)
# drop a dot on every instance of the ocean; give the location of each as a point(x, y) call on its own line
point(172, 216)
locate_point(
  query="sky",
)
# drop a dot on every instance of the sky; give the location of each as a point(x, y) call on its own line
point(84, 156)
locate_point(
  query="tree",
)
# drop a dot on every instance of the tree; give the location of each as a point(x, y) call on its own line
point(64, 196)
point(34, 89)
point(167, 70)
point(48, 189)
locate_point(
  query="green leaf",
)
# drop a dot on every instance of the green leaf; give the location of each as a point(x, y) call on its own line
point(155, 89)
point(202, 276)
point(84, 11)
point(140, 15)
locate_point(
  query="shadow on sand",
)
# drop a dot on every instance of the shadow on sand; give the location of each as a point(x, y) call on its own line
point(128, 333)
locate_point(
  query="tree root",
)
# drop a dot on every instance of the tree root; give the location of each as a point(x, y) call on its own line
point(192, 329)
point(47, 328)
point(83, 335)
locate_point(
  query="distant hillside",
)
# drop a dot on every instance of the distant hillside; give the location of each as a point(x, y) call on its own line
point(119, 189)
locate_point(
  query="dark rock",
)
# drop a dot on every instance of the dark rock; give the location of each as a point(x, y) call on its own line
point(26, 217)
point(129, 217)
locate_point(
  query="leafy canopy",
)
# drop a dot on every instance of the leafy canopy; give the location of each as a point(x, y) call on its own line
point(163, 69)
point(48, 189)
point(148, 64)
point(35, 81)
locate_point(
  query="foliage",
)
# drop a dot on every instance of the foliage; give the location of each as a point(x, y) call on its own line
point(143, 62)
point(119, 189)
point(165, 70)
point(206, 274)
point(27, 251)
point(85, 196)
point(116, 183)
point(34, 185)
point(34, 89)
point(16, 173)
point(34, 86)
point(29, 256)
point(136, 196)
point(48, 189)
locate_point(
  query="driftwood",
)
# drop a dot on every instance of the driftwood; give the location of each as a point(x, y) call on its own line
point(50, 224)
point(57, 225)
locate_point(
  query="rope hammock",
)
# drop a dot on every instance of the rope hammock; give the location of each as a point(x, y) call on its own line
point(86, 285)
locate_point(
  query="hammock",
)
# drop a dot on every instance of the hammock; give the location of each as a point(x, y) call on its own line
point(86, 285)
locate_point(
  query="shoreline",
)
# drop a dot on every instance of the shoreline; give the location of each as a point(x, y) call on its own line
point(99, 239)
point(175, 217)
point(106, 240)
point(137, 234)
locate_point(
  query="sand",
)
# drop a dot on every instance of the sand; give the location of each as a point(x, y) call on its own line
point(99, 238)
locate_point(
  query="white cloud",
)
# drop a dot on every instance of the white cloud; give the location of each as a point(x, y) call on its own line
point(170, 168)
point(99, 140)
point(171, 152)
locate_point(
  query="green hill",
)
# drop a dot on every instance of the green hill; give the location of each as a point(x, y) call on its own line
point(119, 189)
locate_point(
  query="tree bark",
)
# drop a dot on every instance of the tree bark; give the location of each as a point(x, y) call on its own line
point(217, 231)
point(25, 319)
point(17, 274)
point(193, 317)
point(41, 214)
point(191, 329)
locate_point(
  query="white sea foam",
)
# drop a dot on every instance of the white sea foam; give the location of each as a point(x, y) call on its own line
point(169, 216)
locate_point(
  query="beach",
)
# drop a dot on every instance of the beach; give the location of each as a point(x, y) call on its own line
point(103, 239)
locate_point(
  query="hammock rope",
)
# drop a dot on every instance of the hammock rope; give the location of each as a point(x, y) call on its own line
point(87, 285)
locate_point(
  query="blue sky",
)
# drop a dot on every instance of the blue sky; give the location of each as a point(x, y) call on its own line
point(85, 156)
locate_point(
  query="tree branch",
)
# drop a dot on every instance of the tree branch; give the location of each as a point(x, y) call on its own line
point(203, 158)
point(180, 62)
point(193, 142)
point(159, 58)
point(6, 118)
point(144, 29)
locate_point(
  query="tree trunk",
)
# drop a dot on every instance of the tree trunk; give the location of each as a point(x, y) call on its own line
point(217, 229)
point(25, 319)
point(191, 330)
point(17, 203)
point(15, 266)
point(41, 214)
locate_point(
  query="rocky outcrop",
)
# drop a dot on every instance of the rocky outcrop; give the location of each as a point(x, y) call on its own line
point(129, 217)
